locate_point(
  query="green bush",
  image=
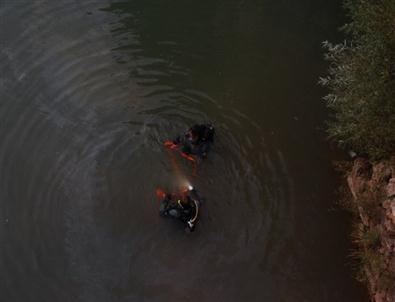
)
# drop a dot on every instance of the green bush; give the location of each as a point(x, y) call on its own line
point(361, 80)
point(367, 253)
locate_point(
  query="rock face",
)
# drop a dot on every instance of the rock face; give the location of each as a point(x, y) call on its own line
point(373, 191)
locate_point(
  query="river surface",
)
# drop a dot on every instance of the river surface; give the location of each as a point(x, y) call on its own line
point(88, 92)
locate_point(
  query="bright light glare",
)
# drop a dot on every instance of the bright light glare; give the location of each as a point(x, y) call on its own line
point(184, 184)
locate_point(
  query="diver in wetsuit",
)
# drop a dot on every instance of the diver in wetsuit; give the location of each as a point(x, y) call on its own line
point(197, 140)
point(183, 208)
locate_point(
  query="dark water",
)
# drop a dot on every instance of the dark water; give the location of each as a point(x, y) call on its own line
point(89, 89)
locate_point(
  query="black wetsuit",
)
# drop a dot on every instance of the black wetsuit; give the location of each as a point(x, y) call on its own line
point(197, 140)
point(182, 209)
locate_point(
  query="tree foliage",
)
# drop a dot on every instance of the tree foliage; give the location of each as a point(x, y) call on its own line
point(361, 79)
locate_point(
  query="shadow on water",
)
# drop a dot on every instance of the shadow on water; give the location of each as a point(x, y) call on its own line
point(90, 91)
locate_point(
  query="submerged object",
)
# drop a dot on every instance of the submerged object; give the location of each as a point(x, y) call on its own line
point(195, 143)
point(183, 206)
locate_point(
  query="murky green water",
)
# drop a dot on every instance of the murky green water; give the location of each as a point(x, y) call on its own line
point(90, 89)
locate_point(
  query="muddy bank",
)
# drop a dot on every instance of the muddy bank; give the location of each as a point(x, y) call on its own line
point(372, 187)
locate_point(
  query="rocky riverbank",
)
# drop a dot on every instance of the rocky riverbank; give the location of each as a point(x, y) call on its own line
point(372, 186)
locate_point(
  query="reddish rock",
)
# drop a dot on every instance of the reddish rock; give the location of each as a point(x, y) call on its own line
point(360, 174)
point(391, 215)
point(387, 204)
point(362, 168)
point(381, 173)
point(380, 297)
point(391, 188)
point(369, 184)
